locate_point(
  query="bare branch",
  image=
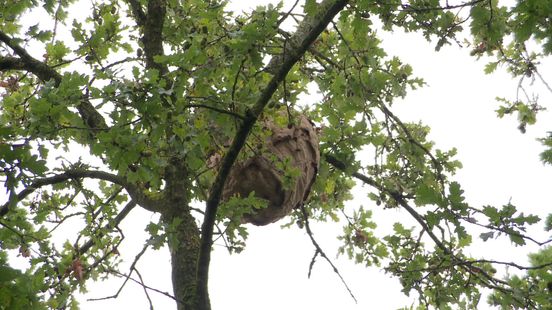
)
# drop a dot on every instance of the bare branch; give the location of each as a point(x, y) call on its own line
point(543, 80)
point(139, 282)
point(127, 277)
point(313, 260)
point(321, 252)
point(144, 288)
point(286, 15)
point(306, 34)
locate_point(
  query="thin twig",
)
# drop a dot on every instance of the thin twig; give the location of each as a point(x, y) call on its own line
point(222, 111)
point(407, 7)
point(144, 287)
point(67, 175)
point(543, 80)
point(512, 233)
point(107, 228)
point(286, 15)
point(313, 260)
point(321, 252)
point(127, 277)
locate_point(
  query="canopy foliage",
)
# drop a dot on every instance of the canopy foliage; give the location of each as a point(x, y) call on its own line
point(149, 103)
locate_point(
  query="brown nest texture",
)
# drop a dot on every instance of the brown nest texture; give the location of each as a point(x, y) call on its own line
point(296, 144)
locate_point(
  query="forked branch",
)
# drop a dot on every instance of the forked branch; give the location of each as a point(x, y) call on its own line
point(321, 252)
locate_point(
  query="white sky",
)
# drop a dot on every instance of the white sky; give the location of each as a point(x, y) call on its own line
point(458, 104)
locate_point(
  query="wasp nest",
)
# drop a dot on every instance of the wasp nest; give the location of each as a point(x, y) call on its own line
point(297, 145)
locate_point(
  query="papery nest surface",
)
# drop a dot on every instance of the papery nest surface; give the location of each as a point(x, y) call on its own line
point(296, 144)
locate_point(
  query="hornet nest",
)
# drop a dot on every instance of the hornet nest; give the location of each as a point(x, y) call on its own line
point(296, 144)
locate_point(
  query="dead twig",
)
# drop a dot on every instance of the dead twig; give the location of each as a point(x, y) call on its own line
point(322, 253)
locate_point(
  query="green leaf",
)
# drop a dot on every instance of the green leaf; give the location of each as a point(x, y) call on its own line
point(8, 274)
point(57, 51)
point(548, 223)
point(486, 235)
point(491, 213)
point(490, 67)
point(546, 156)
point(518, 240)
point(466, 240)
point(456, 193)
point(426, 195)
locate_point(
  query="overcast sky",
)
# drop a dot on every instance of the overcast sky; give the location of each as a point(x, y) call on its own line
point(458, 104)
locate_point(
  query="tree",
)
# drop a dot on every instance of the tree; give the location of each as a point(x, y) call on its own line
point(168, 97)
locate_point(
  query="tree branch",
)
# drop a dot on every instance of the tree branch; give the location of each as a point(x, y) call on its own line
point(486, 279)
point(127, 277)
point(40, 69)
point(152, 29)
point(409, 8)
point(222, 111)
point(120, 274)
point(321, 252)
point(138, 12)
point(11, 63)
point(116, 221)
point(45, 73)
point(396, 196)
point(306, 34)
point(79, 173)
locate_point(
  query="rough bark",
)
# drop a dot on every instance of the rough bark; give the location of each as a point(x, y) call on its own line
point(183, 232)
point(183, 236)
point(184, 249)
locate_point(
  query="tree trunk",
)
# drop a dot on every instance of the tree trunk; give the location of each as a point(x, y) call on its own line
point(184, 247)
point(183, 237)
